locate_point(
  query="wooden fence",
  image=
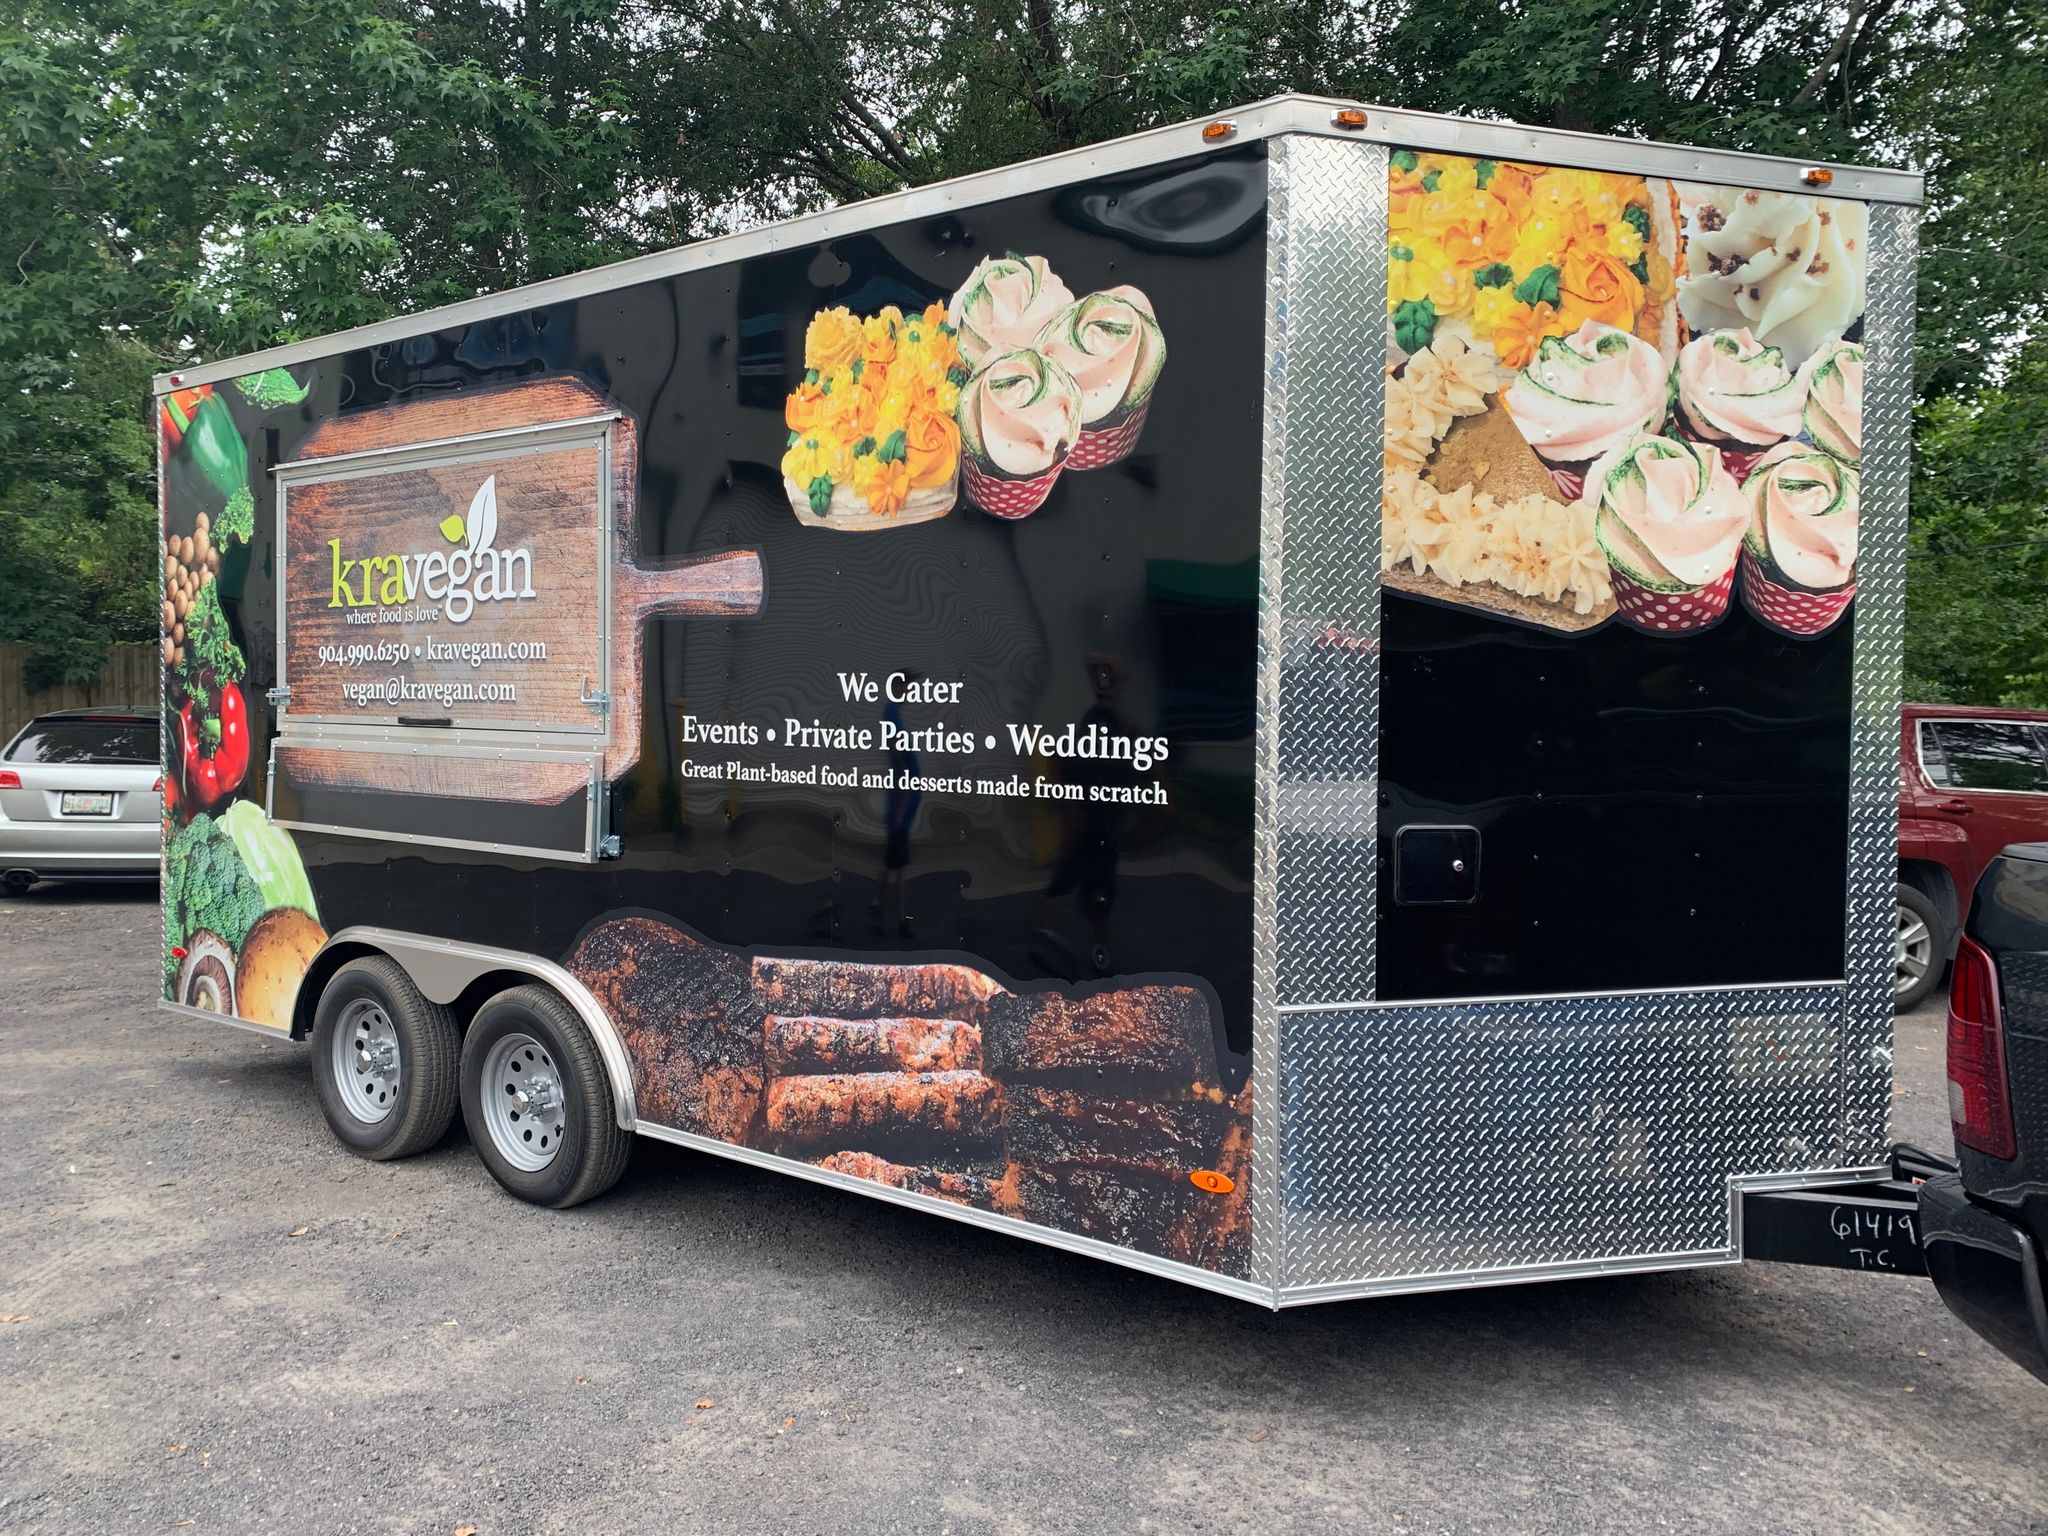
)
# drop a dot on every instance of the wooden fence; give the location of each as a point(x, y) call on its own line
point(129, 677)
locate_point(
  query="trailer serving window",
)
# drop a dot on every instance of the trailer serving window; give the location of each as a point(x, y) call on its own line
point(443, 647)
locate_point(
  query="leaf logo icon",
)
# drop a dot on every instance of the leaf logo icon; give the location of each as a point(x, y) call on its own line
point(451, 528)
point(483, 515)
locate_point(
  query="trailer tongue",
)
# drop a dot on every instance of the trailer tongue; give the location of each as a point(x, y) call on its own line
point(1306, 703)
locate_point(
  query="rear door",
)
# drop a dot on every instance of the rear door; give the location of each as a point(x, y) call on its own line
point(1618, 545)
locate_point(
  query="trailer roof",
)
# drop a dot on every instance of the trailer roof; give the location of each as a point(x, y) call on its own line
point(1260, 120)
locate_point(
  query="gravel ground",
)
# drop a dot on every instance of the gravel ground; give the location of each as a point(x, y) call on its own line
point(213, 1319)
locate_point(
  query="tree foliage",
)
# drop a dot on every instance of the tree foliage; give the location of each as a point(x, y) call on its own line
point(182, 179)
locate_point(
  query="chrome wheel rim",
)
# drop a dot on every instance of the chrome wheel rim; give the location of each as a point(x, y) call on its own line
point(368, 1068)
point(1912, 951)
point(525, 1113)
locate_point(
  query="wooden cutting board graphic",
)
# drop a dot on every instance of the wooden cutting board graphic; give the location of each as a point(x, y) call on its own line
point(468, 588)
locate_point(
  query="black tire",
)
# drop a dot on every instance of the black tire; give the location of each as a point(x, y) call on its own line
point(592, 1147)
point(429, 1047)
point(1915, 901)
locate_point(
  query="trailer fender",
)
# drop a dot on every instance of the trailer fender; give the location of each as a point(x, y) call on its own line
point(443, 969)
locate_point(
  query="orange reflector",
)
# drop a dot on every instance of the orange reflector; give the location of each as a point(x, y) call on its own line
point(1817, 176)
point(1221, 129)
point(1347, 117)
point(1215, 1183)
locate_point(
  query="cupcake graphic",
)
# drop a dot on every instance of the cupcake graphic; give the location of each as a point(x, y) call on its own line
point(1583, 395)
point(872, 439)
point(1799, 551)
point(1737, 394)
point(1004, 304)
point(1112, 347)
point(1831, 385)
point(1670, 520)
point(1020, 417)
point(1788, 267)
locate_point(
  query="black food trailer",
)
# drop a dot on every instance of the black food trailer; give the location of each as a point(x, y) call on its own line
point(1305, 702)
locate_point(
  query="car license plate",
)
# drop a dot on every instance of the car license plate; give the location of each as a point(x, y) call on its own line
point(83, 802)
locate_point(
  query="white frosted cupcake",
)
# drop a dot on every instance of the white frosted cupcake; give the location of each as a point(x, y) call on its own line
point(1799, 553)
point(1004, 304)
point(1787, 266)
point(1670, 520)
point(1019, 419)
point(1832, 413)
point(1737, 394)
point(1112, 346)
point(1585, 394)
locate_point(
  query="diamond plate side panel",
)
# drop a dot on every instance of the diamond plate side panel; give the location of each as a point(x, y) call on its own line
point(1456, 1143)
point(1268, 1234)
point(1336, 234)
point(1874, 716)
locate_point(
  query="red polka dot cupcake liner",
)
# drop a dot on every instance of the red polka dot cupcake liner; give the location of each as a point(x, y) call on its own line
point(1794, 610)
point(1673, 613)
point(1002, 496)
point(1100, 447)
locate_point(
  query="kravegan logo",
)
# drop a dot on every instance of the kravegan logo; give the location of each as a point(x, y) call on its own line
point(477, 571)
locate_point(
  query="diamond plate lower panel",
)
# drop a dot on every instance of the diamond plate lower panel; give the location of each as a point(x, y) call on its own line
point(1452, 1141)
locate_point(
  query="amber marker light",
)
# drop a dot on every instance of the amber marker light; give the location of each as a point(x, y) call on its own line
point(1216, 132)
point(1215, 1183)
point(1817, 176)
point(1347, 117)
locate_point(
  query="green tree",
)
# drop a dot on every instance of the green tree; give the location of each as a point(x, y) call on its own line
point(1977, 624)
point(181, 179)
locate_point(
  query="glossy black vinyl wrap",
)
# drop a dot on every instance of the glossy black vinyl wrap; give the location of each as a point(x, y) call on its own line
point(1133, 589)
point(1654, 811)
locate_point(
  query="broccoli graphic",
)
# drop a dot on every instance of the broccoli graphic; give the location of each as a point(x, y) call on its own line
point(206, 885)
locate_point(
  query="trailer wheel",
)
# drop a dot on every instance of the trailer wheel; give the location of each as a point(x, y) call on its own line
point(384, 1061)
point(1919, 951)
point(537, 1102)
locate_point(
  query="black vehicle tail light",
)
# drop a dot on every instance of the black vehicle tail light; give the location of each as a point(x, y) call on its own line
point(1979, 1101)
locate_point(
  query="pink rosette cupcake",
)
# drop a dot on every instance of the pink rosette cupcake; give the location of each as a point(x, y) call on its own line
point(1736, 394)
point(1019, 419)
point(1004, 304)
point(1670, 520)
point(1583, 395)
point(1113, 348)
point(1831, 383)
point(1799, 552)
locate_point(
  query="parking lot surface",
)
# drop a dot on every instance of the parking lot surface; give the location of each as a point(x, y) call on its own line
point(213, 1319)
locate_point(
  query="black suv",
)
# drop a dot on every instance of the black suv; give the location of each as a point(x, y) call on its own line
point(1985, 1228)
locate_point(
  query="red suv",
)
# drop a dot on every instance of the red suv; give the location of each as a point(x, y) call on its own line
point(1971, 781)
